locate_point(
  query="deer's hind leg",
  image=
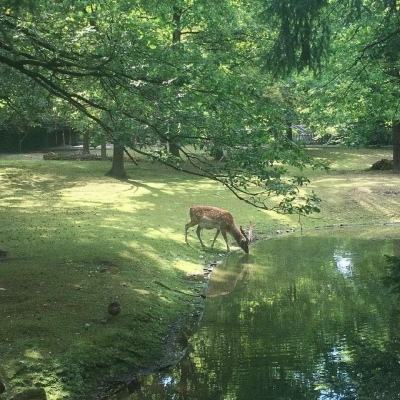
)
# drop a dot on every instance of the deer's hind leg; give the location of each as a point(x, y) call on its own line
point(198, 231)
point(187, 226)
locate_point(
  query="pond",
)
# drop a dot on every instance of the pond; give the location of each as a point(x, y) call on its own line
point(300, 318)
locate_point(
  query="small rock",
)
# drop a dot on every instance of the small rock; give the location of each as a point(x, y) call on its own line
point(114, 308)
point(87, 325)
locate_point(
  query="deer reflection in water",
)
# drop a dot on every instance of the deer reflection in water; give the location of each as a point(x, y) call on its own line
point(228, 275)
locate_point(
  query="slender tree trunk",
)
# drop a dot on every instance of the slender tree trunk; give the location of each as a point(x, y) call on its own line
point(103, 150)
point(396, 145)
point(118, 168)
point(289, 131)
point(86, 143)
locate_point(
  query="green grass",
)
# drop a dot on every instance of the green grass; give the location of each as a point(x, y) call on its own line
point(77, 240)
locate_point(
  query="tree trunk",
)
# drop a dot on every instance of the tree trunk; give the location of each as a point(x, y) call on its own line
point(396, 145)
point(86, 143)
point(103, 150)
point(118, 168)
point(289, 132)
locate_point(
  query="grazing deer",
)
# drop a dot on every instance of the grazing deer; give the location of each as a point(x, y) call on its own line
point(207, 217)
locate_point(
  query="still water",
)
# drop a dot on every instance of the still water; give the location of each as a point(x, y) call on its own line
point(300, 318)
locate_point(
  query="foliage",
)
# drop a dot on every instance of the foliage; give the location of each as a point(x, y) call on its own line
point(119, 65)
point(355, 98)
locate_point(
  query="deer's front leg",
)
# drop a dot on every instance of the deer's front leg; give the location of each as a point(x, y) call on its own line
point(198, 230)
point(215, 238)
point(226, 240)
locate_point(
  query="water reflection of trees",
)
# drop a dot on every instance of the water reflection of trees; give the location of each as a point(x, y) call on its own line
point(296, 327)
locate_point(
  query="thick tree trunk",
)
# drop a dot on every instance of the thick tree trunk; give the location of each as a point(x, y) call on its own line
point(86, 143)
point(118, 168)
point(103, 150)
point(396, 145)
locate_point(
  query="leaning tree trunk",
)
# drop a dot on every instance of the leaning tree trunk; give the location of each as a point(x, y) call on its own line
point(118, 168)
point(396, 145)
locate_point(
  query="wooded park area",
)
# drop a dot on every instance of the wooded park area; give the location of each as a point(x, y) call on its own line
point(117, 116)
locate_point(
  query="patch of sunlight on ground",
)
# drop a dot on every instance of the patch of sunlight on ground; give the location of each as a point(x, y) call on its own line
point(162, 233)
point(18, 202)
point(143, 292)
point(93, 191)
point(284, 219)
point(147, 251)
point(57, 392)
point(350, 182)
point(187, 266)
point(33, 354)
point(116, 196)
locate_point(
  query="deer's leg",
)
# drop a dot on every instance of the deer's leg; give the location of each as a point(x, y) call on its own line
point(198, 230)
point(215, 237)
point(226, 240)
point(187, 226)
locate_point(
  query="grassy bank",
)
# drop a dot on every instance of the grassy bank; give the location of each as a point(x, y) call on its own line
point(76, 240)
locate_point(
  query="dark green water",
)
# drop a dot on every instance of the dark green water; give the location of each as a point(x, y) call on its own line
point(300, 318)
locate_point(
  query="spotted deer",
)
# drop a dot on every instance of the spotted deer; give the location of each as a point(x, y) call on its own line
point(207, 217)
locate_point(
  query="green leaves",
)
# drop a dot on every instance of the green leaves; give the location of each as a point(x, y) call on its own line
point(185, 73)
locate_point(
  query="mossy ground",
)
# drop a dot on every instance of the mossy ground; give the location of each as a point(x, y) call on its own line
point(77, 240)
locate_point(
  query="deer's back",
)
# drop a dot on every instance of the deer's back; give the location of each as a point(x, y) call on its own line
point(209, 217)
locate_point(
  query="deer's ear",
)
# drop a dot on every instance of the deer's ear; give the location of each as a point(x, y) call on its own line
point(250, 231)
point(244, 233)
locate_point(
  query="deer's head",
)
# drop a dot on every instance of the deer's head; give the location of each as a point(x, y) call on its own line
point(247, 238)
point(244, 243)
